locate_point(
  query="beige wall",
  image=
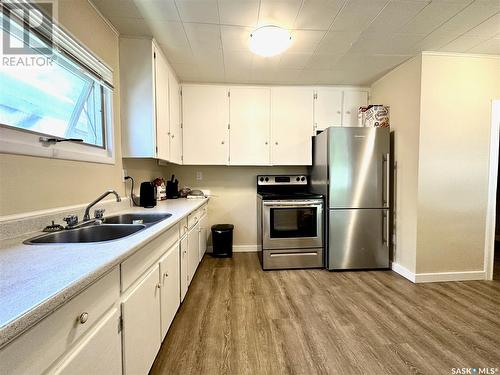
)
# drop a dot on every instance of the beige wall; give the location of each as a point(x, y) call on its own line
point(455, 124)
point(400, 89)
point(233, 191)
point(32, 183)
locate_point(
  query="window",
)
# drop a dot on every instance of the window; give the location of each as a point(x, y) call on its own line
point(63, 94)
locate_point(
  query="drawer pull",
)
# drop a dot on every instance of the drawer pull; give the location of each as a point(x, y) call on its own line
point(84, 316)
point(158, 286)
point(165, 274)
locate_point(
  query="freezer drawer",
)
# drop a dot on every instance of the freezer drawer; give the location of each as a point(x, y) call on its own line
point(358, 239)
point(293, 258)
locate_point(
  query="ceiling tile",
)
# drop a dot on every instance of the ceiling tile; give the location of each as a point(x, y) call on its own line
point(490, 46)
point(392, 44)
point(395, 15)
point(357, 14)
point(178, 55)
point(235, 38)
point(360, 63)
point(158, 9)
point(169, 33)
point(278, 12)
point(117, 8)
point(208, 57)
point(337, 42)
point(322, 62)
point(463, 44)
point(201, 35)
point(318, 14)
point(237, 75)
point(431, 17)
point(239, 13)
point(198, 10)
point(488, 28)
point(187, 72)
point(433, 42)
point(294, 60)
point(131, 26)
point(305, 40)
point(238, 60)
point(468, 19)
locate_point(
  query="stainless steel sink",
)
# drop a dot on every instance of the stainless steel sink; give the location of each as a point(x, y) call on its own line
point(93, 233)
point(146, 219)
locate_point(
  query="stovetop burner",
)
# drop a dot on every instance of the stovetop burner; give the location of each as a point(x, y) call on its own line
point(284, 187)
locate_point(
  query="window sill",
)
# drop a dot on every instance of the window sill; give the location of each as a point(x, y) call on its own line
point(21, 143)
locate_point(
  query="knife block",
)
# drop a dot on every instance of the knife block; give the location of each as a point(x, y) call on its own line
point(172, 190)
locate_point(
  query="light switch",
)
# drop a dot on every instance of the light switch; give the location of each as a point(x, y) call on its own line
point(199, 176)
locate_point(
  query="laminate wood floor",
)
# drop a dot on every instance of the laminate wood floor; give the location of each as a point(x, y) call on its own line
point(238, 319)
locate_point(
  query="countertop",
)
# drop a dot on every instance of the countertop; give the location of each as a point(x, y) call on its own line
point(37, 279)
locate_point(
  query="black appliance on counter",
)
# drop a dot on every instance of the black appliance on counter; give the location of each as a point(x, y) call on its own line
point(148, 195)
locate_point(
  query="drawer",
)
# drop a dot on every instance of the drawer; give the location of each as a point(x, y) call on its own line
point(193, 218)
point(288, 259)
point(36, 349)
point(183, 227)
point(134, 266)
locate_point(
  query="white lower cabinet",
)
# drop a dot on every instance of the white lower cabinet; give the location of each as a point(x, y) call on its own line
point(99, 353)
point(204, 230)
point(184, 266)
point(141, 325)
point(170, 287)
point(193, 251)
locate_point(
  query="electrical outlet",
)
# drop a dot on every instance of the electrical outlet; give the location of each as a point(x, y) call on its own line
point(199, 176)
point(124, 174)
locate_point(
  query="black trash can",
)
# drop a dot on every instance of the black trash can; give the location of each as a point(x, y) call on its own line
point(222, 240)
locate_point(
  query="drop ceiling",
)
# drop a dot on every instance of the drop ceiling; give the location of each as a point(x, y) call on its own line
point(334, 41)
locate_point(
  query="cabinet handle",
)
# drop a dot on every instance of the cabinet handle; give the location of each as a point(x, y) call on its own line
point(222, 143)
point(195, 218)
point(84, 316)
point(267, 143)
point(173, 136)
point(165, 274)
point(276, 143)
point(158, 286)
point(338, 112)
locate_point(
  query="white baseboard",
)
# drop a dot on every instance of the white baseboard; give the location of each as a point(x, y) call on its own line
point(437, 276)
point(449, 276)
point(239, 249)
point(403, 271)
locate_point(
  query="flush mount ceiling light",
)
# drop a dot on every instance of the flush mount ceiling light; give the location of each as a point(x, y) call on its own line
point(269, 40)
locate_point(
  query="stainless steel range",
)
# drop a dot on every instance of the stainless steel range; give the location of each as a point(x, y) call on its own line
point(289, 223)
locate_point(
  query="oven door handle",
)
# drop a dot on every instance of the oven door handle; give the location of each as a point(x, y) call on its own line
point(293, 204)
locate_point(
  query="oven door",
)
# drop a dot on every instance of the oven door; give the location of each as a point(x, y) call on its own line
point(292, 224)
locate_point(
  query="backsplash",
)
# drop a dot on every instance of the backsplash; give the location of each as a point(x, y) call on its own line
point(16, 225)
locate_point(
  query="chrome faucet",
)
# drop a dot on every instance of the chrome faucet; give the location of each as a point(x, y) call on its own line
point(105, 194)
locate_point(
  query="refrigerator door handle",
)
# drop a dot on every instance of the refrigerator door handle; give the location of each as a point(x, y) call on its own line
point(385, 228)
point(386, 179)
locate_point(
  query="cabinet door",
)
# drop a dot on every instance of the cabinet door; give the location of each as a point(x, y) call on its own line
point(141, 325)
point(250, 125)
point(327, 108)
point(175, 120)
point(193, 251)
point(170, 287)
point(161, 107)
point(99, 353)
point(184, 267)
point(205, 118)
point(352, 101)
point(291, 125)
point(203, 236)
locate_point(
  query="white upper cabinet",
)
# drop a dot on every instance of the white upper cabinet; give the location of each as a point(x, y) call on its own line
point(250, 109)
point(147, 100)
point(175, 120)
point(291, 125)
point(352, 101)
point(162, 106)
point(205, 118)
point(327, 108)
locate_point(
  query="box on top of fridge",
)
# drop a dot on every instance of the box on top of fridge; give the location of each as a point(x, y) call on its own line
point(374, 116)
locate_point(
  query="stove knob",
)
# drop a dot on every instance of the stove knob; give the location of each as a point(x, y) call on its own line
point(261, 179)
point(297, 179)
point(267, 179)
point(302, 179)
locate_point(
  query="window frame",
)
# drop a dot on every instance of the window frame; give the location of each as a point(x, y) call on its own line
point(26, 142)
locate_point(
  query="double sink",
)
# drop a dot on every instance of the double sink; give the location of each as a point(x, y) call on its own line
point(108, 229)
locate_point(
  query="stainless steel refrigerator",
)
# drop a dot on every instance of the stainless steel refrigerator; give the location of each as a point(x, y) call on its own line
point(351, 169)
